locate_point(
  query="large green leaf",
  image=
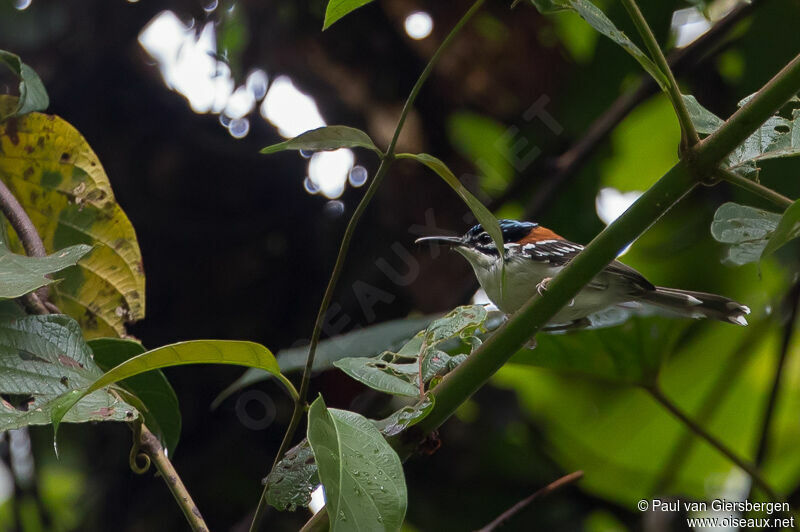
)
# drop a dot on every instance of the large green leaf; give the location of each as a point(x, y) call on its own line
point(599, 21)
point(41, 358)
point(746, 229)
point(159, 404)
point(32, 94)
point(363, 478)
point(20, 274)
point(339, 8)
point(62, 186)
point(483, 215)
point(234, 352)
point(788, 229)
point(359, 343)
point(326, 138)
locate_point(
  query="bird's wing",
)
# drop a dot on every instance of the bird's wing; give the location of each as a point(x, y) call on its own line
point(560, 252)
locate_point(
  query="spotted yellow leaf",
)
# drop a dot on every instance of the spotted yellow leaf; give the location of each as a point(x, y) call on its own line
point(60, 182)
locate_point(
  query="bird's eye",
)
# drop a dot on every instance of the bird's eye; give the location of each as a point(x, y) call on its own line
point(485, 239)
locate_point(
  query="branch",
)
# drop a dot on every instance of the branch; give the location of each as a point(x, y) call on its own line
point(553, 486)
point(756, 188)
point(152, 448)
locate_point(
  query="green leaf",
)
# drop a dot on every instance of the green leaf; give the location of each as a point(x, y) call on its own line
point(326, 138)
point(291, 482)
point(483, 215)
point(32, 94)
point(599, 21)
point(360, 343)
point(372, 373)
point(746, 229)
point(20, 274)
point(363, 478)
point(160, 407)
point(788, 228)
point(705, 122)
point(61, 184)
point(41, 358)
point(339, 8)
point(192, 352)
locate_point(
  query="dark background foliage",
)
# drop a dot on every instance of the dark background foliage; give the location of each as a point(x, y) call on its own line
point(234, 247)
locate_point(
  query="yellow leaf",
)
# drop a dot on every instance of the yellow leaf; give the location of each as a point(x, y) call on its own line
point(60, 182)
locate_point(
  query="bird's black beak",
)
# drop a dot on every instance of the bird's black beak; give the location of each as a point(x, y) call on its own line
point(444, 240)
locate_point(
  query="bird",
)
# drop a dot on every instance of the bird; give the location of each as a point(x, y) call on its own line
point(534, 255)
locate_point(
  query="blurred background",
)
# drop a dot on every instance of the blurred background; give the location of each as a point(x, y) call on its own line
point(541, 117)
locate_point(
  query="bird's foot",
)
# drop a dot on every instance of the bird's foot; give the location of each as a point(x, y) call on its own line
point(542, 286)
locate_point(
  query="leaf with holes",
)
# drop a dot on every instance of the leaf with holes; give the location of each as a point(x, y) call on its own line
point(406, 417)
point(483, 215)
point(363, 478)
point(746, 229)
point(32, 94)
point(41, 358)
point(778, 137)
point(600, 22)
point(159, 404)
point(428, 355)
point(339, 8)
point(326, 138)
point(291, 482)
point(192, 352)
point(60, 183)
point(788, 229)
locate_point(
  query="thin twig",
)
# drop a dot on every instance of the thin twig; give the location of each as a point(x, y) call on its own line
point(689, 134)
point(656, 393)
point(777, 379)
point(711, 401)
point(756, 188)
point(152, 448)
point(553, 486)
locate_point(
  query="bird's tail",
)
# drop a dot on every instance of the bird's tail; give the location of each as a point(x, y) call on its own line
point(697, 304)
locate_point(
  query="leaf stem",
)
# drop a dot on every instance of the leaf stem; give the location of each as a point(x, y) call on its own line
point(690, 137)
point(656, 393)
point(756, 188)
point(152, 448)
